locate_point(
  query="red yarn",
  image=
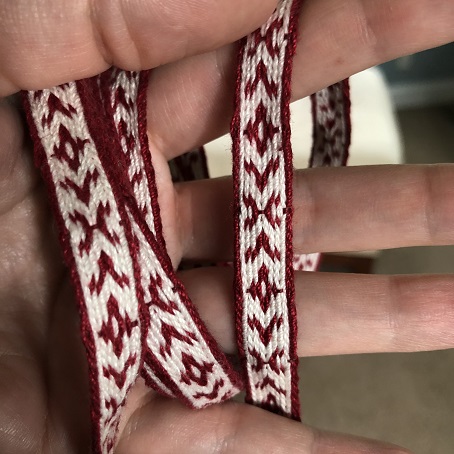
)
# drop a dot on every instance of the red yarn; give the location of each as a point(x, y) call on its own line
point(92, 149)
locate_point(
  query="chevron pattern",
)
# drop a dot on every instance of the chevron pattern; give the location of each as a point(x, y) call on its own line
point(262, 161)
point(173, 331)
point(96, 250)
point(263, 180)
point(136, 317)
point(332, 128)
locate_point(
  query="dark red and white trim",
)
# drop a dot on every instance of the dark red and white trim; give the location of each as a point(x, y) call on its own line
point(331, 125)
point(262, 172)
point(96, 250)
point(136, 317)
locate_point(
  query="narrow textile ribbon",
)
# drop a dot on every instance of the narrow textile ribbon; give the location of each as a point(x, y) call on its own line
point(263, 175)
point(137, 319)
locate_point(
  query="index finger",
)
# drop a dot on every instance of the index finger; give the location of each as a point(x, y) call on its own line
point(46, 43)
point(232, 428)
point(337, 38)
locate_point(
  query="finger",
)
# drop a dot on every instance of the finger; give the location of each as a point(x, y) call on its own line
point(336, 209)
point(17, 173)
point(49, 42)
point(337, 38)
point(343, 313)
point(350, 36)
point(169, 427)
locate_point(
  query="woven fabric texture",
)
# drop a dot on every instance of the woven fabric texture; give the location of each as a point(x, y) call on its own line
point(136, 317)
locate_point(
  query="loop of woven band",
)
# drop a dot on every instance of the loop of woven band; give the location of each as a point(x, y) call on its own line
point(95, 247)
point(262, 173)
point(136, 318)
point(331, 142)
point(90, 144)
point(331, 126)
point(181, 358)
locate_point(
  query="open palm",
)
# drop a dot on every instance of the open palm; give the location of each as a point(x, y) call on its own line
point(43, 375)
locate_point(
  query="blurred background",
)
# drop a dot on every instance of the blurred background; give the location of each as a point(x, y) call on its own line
point(407, 399)
point(402, 112)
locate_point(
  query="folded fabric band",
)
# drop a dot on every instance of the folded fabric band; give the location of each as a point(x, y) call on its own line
point(91, 146)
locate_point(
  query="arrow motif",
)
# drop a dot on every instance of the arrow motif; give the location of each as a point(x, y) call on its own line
point(117, 326)
point(262, 244)
point(214, 393)
point(101, 225)
point(266, 36)
point(195, 371)
point(262, 179)
point(106, 266)
point(261, 76)
point(269, 382)
point(266, 333)
point(169, 333)
point(82, 192)
point(56, 105)
point(119, 377)
point(67, 142)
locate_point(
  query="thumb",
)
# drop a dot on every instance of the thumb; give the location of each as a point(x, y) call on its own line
point(48, 42)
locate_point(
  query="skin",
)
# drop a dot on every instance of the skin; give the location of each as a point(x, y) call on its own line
point(43, 374)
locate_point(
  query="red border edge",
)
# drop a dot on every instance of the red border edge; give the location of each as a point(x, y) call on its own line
point(288, 156)
point(237, 283)
point(87, 337)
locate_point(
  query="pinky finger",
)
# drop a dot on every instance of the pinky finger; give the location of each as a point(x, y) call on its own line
point(166, 426)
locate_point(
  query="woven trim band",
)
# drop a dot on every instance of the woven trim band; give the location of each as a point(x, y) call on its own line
point(137, 319)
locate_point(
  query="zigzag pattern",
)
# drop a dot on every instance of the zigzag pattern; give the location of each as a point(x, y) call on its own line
point(179, 352)
point(263, 256)
point(122, 91)
point(103, 274)
point(136, 317)
point(174, 337)
point(332, 129)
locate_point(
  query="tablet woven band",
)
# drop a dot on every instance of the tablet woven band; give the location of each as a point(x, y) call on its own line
point(90, 144)
point(92, 149)
point(262, 172)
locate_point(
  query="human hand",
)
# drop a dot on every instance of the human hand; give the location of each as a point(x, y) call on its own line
point(43, 385)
